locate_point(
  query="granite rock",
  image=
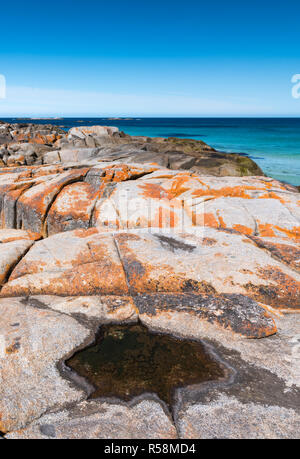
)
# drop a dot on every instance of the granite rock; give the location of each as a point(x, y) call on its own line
point(33, 341)
point(49, 144)
point(95, 420)
point(98, 227)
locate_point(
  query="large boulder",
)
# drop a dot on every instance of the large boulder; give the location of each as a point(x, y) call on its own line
point(86, 131)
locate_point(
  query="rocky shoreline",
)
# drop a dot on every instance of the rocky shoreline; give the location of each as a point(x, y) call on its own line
point(101, 227)
point(32, 144)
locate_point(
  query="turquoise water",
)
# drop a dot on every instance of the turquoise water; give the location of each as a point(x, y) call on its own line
point(273, 143)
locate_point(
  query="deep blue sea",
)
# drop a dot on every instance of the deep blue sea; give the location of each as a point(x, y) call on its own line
point(274, 143)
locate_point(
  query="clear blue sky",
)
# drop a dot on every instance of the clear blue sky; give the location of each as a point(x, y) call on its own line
point(149, 58)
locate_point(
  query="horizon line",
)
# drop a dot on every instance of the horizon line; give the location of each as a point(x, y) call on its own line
point(135, 117)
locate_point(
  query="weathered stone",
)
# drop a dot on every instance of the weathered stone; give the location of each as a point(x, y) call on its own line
point(12, 248)
point(145, 203)
point(90, 141)
point(202, 279)
point(75, 205)
point(72, 263)
point(33, 205)
point(214, 262)
point(33, 341)
point(84, 131)
point(10, 235)
point(77, 155)
point(216, 416)
point(52, 157)
point(72, 208)
point(234, 312)
point(108, 308)
point(31, 134)
point(92, 420)
point(168, 199)
point(287, 251)
point(228, 418)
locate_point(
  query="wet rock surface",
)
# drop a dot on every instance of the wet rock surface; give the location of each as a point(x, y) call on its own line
point(97, 228)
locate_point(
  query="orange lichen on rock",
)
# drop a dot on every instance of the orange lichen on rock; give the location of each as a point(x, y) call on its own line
point(281, 292)
point(222, 224)
point(38, 138)
point(272, 195)
point(286, 251)
point(155, 191)
point(17, 235)
point(34, 204)
point(72, 208)
point(175, 186)
point(13, 348)
point(145, 277)
point(208, 219)
point(69, 264)
point(166, 198)
point(266, 230)
point(232, 192)
point(178, 187)
point(294, 233)
point(269, 230)
point(243, 229)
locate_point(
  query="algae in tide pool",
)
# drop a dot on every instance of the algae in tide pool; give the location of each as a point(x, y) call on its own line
point(128, 360)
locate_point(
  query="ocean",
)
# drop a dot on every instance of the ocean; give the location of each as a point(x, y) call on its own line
point(273, 143)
